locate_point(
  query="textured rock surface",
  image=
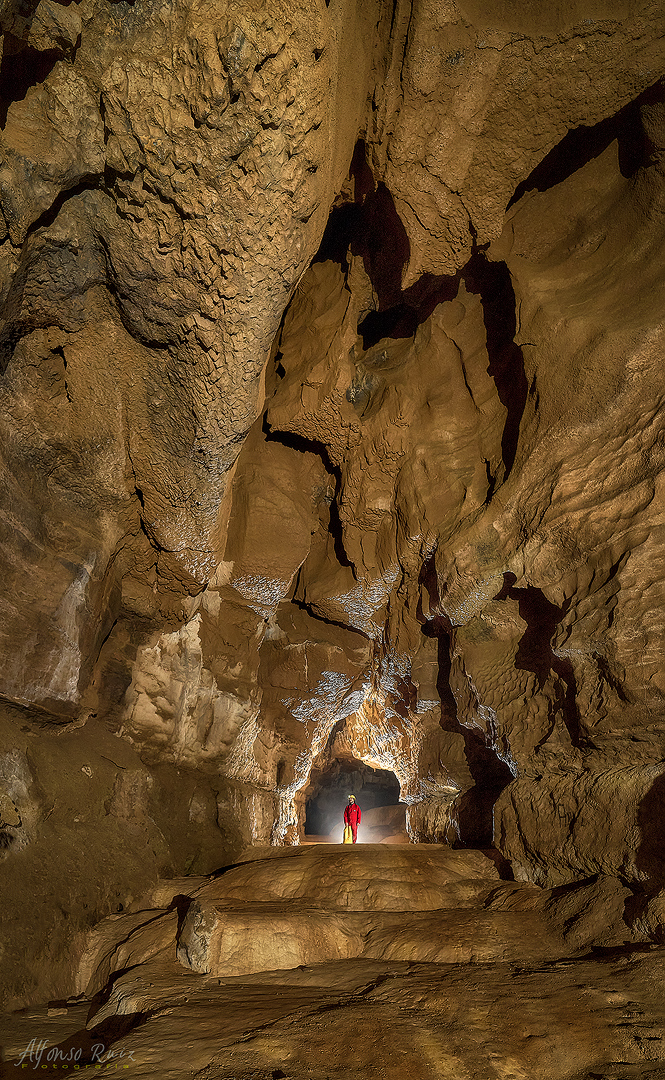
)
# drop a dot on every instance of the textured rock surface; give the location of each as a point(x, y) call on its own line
point(154, 185)
point(582, 1016)
point(326, 902)
point(331, 435)
point(444, 1021)
point(358, 878)
point(95, 831)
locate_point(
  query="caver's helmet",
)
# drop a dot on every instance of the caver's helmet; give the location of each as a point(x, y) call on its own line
point(352, 798)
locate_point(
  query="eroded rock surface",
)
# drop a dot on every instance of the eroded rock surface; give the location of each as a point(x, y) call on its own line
point(332, 435)
point(253, 972)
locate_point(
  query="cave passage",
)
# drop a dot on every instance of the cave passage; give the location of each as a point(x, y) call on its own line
point(331, 787)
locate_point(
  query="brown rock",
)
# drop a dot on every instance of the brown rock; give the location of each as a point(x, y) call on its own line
point(304, 469)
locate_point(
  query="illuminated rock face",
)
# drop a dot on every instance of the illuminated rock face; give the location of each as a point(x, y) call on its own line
point(410, 947)
point(332, 431)
point(285, 909)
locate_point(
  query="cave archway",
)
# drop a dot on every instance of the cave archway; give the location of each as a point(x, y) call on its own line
point(329, 787)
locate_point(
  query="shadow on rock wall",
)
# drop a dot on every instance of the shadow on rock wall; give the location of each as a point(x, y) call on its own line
point(583, 144)
point(474, 808)
point(371, 229)
point(492, 283)
point(535, 651)
point(650, 854)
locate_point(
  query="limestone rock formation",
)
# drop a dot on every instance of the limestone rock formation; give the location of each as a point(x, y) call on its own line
point(332, 450)
point(241, 971)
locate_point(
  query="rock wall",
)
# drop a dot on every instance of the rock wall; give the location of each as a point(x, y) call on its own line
point(331, 428)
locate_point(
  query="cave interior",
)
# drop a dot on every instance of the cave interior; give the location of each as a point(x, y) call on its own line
point(332, 460)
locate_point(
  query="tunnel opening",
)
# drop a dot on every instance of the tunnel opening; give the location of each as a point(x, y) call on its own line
point(330, 787)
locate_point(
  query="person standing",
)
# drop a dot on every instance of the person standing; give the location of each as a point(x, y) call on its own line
point(352, 816)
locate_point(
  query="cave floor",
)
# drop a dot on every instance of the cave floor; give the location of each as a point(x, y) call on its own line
point(517, 1008)
point(589, 1018)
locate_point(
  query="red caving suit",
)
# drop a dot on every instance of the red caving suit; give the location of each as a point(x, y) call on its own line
point(352, 818)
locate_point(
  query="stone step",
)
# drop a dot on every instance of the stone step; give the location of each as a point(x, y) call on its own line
point(415, 877)
point(225, 940)
point(287, 907)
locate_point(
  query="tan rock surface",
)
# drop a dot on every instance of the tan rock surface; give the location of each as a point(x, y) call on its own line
point(331, 344)
point(140, 181)
point(331, 902)
point(143, 936)
point(432, 1020)
point(364, 877)
point(506, 990)
point(93, 829)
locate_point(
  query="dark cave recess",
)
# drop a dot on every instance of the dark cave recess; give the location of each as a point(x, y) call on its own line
point(330, 788)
